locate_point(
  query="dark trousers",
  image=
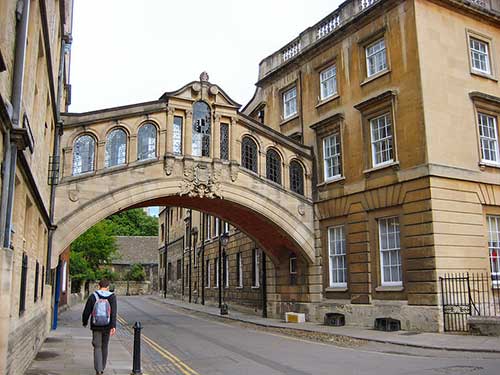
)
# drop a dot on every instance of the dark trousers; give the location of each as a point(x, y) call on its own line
point(100, 340)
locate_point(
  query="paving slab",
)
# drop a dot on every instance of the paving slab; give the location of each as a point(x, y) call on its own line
point(440, 341)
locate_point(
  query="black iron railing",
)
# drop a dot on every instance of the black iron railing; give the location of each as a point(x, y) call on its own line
point(464, 295)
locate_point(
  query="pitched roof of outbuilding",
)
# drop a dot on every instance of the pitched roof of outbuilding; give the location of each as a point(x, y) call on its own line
point(136, 249)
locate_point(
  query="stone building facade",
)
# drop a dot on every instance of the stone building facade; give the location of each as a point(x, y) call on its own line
point(34, 88)
point(400, 101)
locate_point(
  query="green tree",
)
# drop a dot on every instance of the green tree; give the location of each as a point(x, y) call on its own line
point(134, 222)
point(136, 273)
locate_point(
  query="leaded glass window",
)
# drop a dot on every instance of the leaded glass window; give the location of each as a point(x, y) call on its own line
point(273, 166)
point(296, 177)
point(146, 144)
point(224, 141)
point(201, 129)
point(177, 135)
point(249, 154)
point(116, 148)
point(83, 154)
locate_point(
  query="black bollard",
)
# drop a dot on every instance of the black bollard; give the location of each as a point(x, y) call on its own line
point(136, 366)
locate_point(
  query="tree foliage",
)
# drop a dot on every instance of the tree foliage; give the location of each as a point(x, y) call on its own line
point(136, 273)
point(94, 249)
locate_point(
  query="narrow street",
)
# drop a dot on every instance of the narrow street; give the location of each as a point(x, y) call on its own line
point(190, 345)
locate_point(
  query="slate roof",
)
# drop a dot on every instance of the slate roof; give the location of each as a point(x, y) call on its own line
point(136, 249)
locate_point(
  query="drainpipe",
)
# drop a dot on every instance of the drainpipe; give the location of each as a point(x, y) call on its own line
point(264, 286)
point(22, 16)
point(165, 251)
point(301, 113)
point(55, 151)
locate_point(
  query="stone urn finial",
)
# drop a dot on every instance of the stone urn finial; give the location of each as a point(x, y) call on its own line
point(204, 77)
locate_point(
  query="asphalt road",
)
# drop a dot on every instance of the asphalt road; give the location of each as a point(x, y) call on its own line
point(188, 344)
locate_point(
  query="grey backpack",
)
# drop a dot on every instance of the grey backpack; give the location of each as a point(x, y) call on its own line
point(101, 313)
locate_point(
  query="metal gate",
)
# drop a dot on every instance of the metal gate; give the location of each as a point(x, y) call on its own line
point(464, 295)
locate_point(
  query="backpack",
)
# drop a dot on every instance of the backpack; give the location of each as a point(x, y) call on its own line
point(101, 313)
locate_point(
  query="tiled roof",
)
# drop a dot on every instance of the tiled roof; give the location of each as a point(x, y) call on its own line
point(136, 249)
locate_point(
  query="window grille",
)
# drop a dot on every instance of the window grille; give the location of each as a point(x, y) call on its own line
point(201, 129)
point(24, 274)
point(116, 148)
point(224, 141)
point(249, 154)
point(146, 145)
point(296, 177)
point(273, 166)
point(83, 154)
point(177, 135)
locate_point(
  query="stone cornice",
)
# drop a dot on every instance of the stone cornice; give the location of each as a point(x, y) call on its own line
point(476, 95)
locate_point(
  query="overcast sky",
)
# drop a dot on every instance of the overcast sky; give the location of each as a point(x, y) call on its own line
point(129, 51)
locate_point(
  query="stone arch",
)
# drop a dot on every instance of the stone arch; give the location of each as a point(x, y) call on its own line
point(277, 229)
point(77, 134)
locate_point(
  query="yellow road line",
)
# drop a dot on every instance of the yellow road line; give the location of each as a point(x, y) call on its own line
point(183, 367)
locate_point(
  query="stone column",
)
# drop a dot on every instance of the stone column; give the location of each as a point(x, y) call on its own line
point(100, 155)
point(233, 147)
point(188, 133)
point(169, 141)
point(215, 144)
point(132, 156)
point(6, 258)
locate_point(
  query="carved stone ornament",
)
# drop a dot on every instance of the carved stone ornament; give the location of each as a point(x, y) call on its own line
point(234, 170)
point(196, 87)
point(214, 90)
point(301, 209)
point(73, 195)
point(204, 77)
point(169, 165)
point(200, 181)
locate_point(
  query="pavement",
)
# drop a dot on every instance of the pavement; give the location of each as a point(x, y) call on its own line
point(68, 350)
point(435, 341)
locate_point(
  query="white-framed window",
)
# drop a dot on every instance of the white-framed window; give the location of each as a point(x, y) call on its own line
point(207, 274)
point(216, 283)
point(290, 102)
point(337, 257)
point(226, 270)
point(390, 251)
point(328, 82)
point(381, 139)
point(376, 57)
point(488, 137)
point(208, 227)
point(479, 55)
point(332, 156)
point(239, 269)
point(494, 247)
point(255, 268)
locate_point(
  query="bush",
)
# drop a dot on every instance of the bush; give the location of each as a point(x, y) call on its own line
point(137, 273)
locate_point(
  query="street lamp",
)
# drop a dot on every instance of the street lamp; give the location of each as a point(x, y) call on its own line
point(224, 240)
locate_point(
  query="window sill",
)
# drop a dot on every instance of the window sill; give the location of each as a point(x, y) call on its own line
point(239, 287)
point(375, 76)
point(484, 164)
point(327, 100)
point(288, 119)
point(483, 75)
point(331, 181)
point(335, 289)
point(390, 288)
point(82, 175)
point(256, 287)
point(393, 164)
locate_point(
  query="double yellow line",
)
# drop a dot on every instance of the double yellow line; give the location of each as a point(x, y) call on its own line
point(181, 366)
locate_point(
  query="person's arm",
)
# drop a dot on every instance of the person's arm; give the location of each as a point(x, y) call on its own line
point(87, 310)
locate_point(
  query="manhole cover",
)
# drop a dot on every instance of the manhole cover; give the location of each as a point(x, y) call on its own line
point(43, 355)
point(53, 339)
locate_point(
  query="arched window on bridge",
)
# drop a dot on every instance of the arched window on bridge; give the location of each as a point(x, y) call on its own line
point(83, 154)
point(201, 129)
point(116, 148)
point(146, 142)
point(296, 177)
point(273, 166)
point(249, 154)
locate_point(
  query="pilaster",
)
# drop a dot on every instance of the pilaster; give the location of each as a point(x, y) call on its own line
point(215, 144)
point(169, 142)
point(188, 133)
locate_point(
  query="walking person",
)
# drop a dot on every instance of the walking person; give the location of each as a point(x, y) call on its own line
point(101, 308)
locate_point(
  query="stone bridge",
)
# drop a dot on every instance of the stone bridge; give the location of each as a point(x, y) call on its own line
point(190, 148)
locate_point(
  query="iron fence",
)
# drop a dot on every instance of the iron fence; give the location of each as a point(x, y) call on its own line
point(464, 295)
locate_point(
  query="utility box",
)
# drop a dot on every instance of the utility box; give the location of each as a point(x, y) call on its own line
point(334, 319)
point(292, 317)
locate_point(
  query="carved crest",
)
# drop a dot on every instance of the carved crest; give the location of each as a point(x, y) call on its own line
point(201, 181)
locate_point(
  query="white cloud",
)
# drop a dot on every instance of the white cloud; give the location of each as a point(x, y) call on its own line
point(128, 51)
